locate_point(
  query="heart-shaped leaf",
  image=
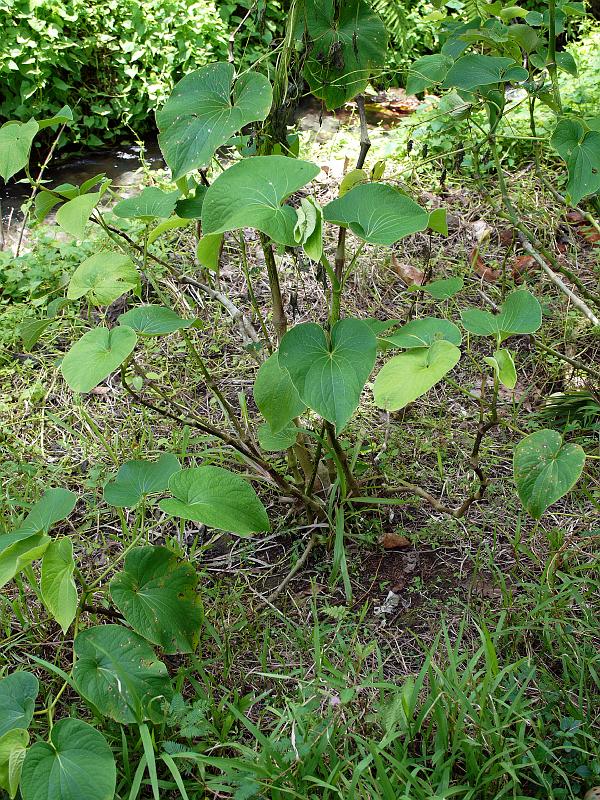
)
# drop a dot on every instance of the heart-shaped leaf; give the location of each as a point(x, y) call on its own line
point(13, 746)
point(75, 215)
point(17, 700)
point(276, 396)
point(348, 43)
point(329, 375)
point(204, 110)
point(423, 333)
point(76, 763)
point(504, 366)
point(521, 313)
point(136, 479)
point(29, 541)
point(154, 320)
point(151, 203)
point(191, 207)
point(15, 143)
point(103, 277)
point(275, 442)
point(444, 288)
point(474, 70)
point(545, 469)
point(377, 213)
point(57, 585)
point(580, 148)
point(412, 374)
point(157, 594)
point(427, 71)
point(117, 671)
point(217, 498)
point(93, 357)
point(250, 194)
point(53, 506)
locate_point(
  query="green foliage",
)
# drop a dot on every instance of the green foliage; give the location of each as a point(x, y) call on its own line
point(218, 498)
point(18, 692)
point(520, 313)
point(103, 277)
point(113, 64)
point(546, 469)
point(93, 357)
point(137, 479)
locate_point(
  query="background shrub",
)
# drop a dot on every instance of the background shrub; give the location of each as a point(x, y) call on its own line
point(111, 61)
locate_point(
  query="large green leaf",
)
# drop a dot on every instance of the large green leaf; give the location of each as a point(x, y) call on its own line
point(377, 213)
point(520, 313)
point(76, 764)
point(250, 194)
point(57, 585)
point(17, 700)
point(217, 498)
point(151, 203)
point(424, 332)
point(580, 148)
point(427, 71)
point(348, 43)
point(272, 442)
point(118, 672)
point(276, 396)
point(204, 110)
point(157, 594)
point(474, 70)
point(443, 288)
point(15, 143)
point(17, 550)
point(330, 374)
point(13, 746)
point(103, 277)
point(545, 469)
point(154, 320)
point(74, 216)
point(413, 373)
point(98, 353)
point(136, 479)
point(53, 505)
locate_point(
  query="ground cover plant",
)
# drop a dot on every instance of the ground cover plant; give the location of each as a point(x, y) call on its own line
point(153, 647)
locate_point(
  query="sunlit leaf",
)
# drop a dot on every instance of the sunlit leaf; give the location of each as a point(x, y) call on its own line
point(98, 353)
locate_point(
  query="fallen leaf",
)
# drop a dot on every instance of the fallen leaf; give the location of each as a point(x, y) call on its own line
point(479, 267)
point(408, 274)
point(480, 230)
point(575, 217)
point(506, 236)
point(391, 541)
point(522, 265)
point(589, 233)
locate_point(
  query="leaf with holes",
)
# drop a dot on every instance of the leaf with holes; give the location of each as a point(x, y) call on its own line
point(136, 479)
point(93, 357)
point(117, 671)
point(217, 498)
point(413, 373)
point(545, 469)
point(59, 593)
point(377, 213)
point(154, 320)
point(520, 313)
point(348, 43)
point(103, 278)
point(157, 594)
point(204, 110)
point(252, 194)
point(76, 763)
point(17, 700)
point(329, 373)
point(276, 396)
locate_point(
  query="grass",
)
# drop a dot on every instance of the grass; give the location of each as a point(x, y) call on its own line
point(482, 682)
